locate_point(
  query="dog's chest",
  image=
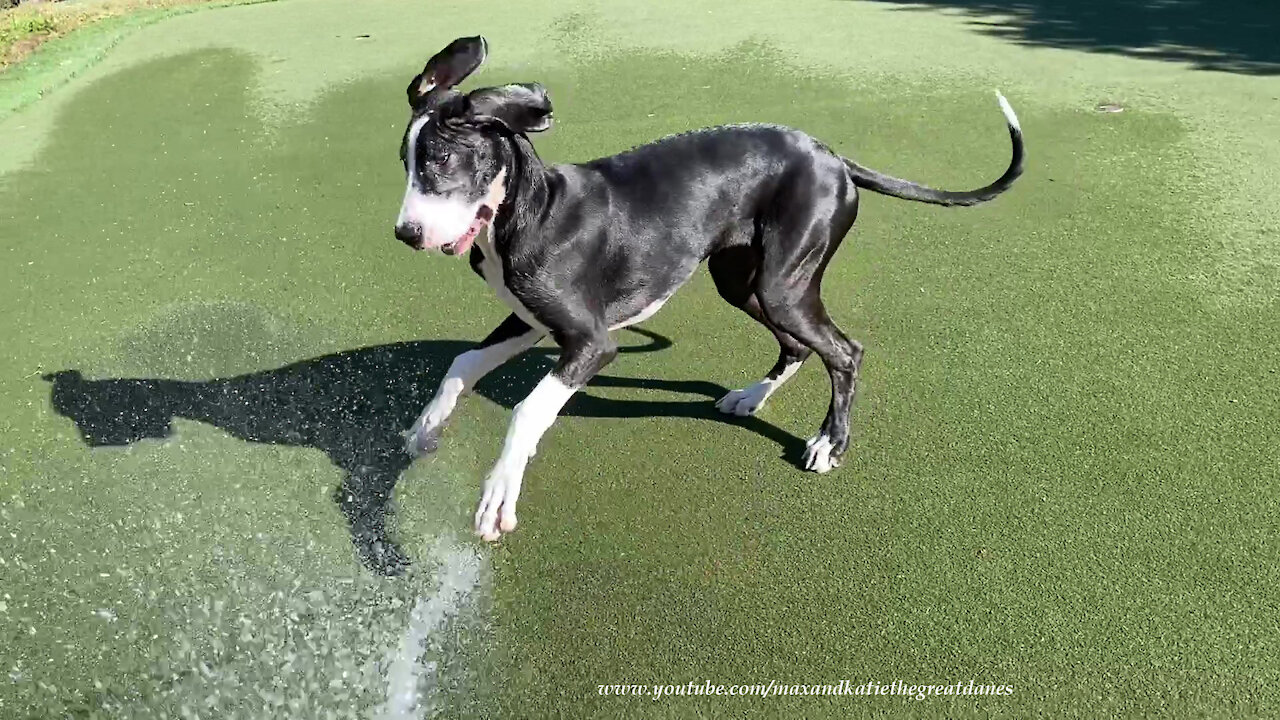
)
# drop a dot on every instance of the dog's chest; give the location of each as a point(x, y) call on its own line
point(490, 268)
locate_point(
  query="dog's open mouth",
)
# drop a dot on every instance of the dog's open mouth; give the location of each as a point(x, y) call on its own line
point(483, 217)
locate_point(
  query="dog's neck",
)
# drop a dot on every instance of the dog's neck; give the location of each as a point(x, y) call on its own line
point(527, 191)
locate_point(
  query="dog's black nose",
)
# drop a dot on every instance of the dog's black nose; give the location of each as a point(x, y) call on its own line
point(409, 234)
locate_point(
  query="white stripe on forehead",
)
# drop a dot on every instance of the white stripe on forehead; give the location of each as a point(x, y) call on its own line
point(411, 148)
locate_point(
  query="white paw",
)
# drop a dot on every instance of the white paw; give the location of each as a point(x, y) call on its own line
point(421, 439)
point(817, 454)
point(497, 511)
point(745, 401)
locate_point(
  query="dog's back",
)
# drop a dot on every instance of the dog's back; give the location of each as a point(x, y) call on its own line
point(700, 191)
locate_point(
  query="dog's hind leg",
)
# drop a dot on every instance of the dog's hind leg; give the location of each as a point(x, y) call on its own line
point(512, 337)
point(789, 287)
point(734, 272)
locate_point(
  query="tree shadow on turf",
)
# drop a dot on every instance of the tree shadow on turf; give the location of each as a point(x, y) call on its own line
point(1236, 36)
point(353, 405)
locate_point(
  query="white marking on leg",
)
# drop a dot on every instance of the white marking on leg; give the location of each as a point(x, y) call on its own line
point(530, 420)
point(817, 454)
point(457, 576)
point(750, 399)
point(464, 372)
point(468, 368)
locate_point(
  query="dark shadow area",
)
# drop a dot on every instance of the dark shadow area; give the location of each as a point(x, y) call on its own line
point(1237, 36)
point(353, 405)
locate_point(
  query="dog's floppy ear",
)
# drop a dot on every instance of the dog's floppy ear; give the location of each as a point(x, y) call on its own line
point(448, 67)
point(521, 106)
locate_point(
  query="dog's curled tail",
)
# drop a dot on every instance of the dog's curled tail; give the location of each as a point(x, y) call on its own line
point(865, 177)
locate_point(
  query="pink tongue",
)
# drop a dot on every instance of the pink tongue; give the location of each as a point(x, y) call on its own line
point(464, 243)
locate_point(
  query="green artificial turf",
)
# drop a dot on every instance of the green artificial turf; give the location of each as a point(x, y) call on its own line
point(1063, 475)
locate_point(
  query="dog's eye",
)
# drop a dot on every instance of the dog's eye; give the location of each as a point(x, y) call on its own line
point(443, 158)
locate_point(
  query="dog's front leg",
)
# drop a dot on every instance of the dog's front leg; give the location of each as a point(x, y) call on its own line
point(580, 360)
point(512, 337)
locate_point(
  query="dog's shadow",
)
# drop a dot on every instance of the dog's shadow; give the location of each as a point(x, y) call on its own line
point(354, 405)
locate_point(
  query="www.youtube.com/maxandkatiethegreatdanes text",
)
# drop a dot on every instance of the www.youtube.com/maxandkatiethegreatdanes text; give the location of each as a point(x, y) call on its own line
point(920, 691)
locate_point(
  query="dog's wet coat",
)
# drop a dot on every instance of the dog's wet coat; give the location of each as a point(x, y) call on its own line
point(578, 250)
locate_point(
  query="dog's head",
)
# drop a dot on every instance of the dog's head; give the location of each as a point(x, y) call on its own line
point(452, 148)
point(113, 412)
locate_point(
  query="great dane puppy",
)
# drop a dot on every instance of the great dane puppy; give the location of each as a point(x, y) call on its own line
point(578, 250)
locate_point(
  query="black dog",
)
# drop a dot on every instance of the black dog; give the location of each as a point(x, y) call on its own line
point(579, 250)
